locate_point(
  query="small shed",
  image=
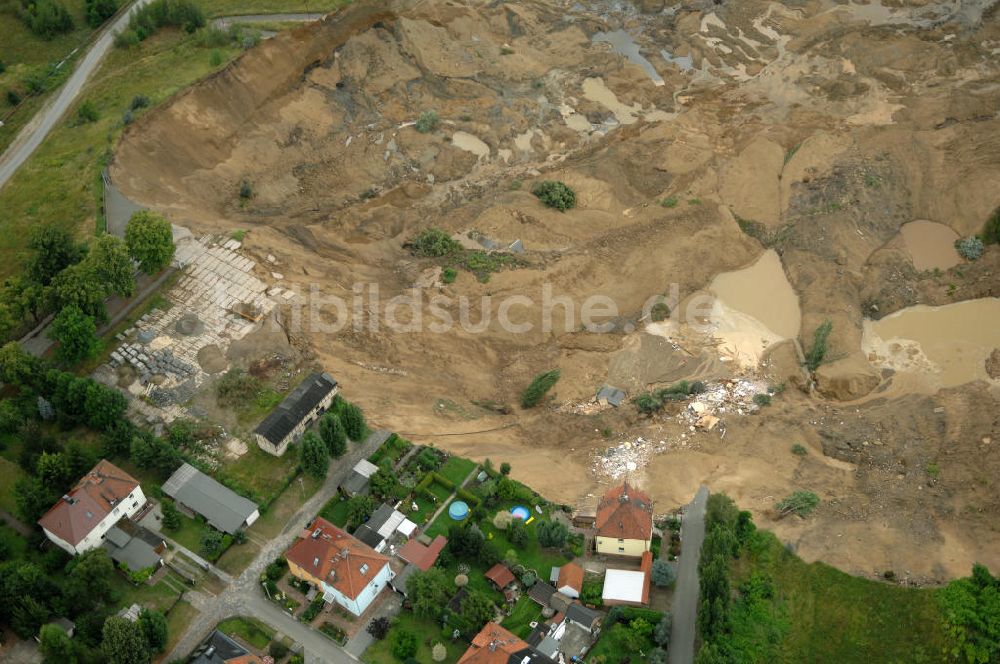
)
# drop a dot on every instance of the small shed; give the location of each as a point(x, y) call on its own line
point(500, 576)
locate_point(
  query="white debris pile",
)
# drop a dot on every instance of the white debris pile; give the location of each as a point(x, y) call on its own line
point(727, 397)
point(626, 457)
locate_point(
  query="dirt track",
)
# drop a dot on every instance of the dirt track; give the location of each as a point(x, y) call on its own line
point(827, 126)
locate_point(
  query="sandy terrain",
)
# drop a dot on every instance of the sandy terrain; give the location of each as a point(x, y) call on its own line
point(809, 127)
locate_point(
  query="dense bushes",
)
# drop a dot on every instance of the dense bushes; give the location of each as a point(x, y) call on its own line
point(99, 11)
point(184, 14)
point(651, 402)
point(46, 18)
point(970, 248)
point(972, 614)
point(434, 243)
point(555, 194)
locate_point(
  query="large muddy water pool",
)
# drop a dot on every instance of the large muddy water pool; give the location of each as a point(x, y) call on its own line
point(946, 346)
point(931, 245)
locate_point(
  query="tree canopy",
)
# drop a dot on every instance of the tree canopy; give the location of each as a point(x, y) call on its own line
point(76, 333)
point(150, 241)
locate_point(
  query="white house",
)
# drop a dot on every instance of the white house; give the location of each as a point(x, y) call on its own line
point(347, 571)
point(82, 518)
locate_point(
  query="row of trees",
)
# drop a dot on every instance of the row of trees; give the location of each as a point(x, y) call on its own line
point(344, 420)
point(74, 280)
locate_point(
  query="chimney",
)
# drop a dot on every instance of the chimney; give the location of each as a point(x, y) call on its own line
point(315, 562)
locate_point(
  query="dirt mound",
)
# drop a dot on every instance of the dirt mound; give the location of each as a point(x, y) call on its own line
point(815, 129)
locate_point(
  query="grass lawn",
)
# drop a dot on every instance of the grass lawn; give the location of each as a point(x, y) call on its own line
point(59, 184)
point(159, 596)
point(525, 612)
point(236, 558)
point(177, 621)
point(189, 534)
point(16, 547)
point(11, 473)
point(835, 617)
point(425, 508)
point(335, 511)
point(427, 632)
point(457, 469)
point(261, 472)
point(279, 513)
point(252, 631)
point(392, 449)
point(612, 647)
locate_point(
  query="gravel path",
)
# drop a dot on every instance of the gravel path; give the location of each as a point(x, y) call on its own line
point(244, 596)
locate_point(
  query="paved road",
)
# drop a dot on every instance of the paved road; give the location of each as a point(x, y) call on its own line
point(35, 132)
point(686, 595)
point(244, 595)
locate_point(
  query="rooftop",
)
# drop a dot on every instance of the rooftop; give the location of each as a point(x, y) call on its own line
point(570, 575)
point(329, 554)
point(628, 585)
point(495, 645)
point(295, 407)
point(222, 507)
point(625, 512)
point(423, 556)
point(500, 575)
point(93, 498)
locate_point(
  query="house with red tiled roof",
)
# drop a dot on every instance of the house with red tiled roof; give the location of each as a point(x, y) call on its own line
point(568, 579)
point(347, 571)
point(624, 522)
point(82, 518)
point(496, 645)
point(500, 575)
point(421, 555)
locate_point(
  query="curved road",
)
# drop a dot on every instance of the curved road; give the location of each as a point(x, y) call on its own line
point(32, 135)
point(34, 132)
point(686, 596)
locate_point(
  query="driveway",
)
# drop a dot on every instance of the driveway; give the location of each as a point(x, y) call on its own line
point(686, 593)
point(244, 596)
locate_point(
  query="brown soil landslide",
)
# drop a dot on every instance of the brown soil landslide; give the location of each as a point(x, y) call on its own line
point(813, 130)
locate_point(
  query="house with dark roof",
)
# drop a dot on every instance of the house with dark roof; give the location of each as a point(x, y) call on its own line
point(422, 556)
point(195, 492)
point(82, 518)
point(624, 522)
point(347, 571)
point(286, 423)
point(541, 593)
point(133, 546)
point(495, 645)
point(356, 483)
point(220, 649)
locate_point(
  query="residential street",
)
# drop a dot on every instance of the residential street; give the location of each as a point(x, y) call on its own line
point(244, 595)
point(686, 595)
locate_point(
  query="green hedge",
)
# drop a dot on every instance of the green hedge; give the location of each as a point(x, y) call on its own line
point(468, 497)
point(442, 480)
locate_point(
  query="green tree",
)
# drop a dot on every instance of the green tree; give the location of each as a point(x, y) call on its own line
point(154, 629)
point(16, 366)
point(429, 592)
point(150, 240)
point(359, 508)
point(971, 609)
point(332, 431)
point(505, 468)
point(28, 616)
point(404, 644)
point(54, 471)
point(313, 455)
point(662, 573)
point(171, 516)
point(555, 194)
point(538, 387)
point(47, 18)
point(122, 642)
point(817, 352)
point(383, 481)
point(661, 634)
point(354, 421)
point(24, 297)
point(76, 333)
point(109, 257)
point(99, 11)
point(53, 251)
point(476, 610)
point(211, 541)
point(79, 286)
point(33, 498)
point(552, 534)
point(517, 532)
point(56, 646)
point(90, 577)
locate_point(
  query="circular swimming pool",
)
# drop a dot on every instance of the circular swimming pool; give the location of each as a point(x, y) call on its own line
point(458, 510)
point(520, 512)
